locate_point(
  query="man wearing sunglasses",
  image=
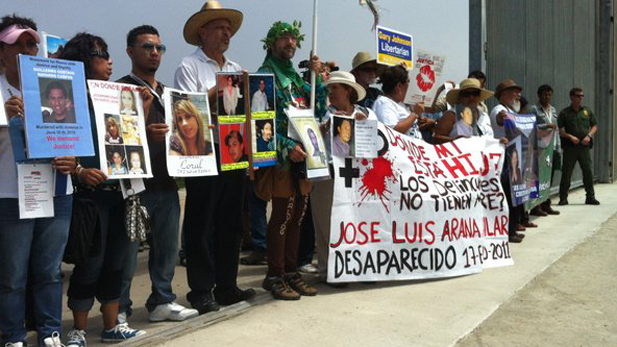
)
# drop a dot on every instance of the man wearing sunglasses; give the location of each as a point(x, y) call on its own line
point(145, 50)
point(577, 127)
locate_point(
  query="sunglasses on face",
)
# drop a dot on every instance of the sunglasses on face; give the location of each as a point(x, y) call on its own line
point(149, 46)
point(579, 95)
point(470, 93)
point(100, 54)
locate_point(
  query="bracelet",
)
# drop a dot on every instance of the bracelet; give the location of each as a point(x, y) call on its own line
point(78, 170)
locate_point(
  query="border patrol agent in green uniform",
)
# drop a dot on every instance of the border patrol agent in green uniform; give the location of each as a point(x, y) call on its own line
point(577, 126)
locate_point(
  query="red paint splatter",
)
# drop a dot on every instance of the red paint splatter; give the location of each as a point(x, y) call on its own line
point(374, 181)
point(364, 162)
point(426, 78)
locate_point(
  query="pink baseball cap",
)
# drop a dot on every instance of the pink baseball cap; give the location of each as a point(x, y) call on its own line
point(13, 32)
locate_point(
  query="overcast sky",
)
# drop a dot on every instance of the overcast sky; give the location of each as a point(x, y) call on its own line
point(437, 26)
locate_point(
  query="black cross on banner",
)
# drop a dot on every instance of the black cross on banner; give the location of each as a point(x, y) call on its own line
point(348, 172)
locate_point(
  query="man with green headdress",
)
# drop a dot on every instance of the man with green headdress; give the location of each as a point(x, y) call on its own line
point(286, 184)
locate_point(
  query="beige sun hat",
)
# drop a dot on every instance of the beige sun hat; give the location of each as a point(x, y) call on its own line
point(366, 58)
point(210, 11)
point(505, 85)
point(468, 83)
point(344, 77)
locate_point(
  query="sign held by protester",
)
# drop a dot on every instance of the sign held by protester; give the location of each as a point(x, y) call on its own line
point(189, 143)
point(232, 121)
point(263, 115)
point(57, 121)
point(304, 128)
point(52, 45)
point(521, 155)
point(418, 211)
point(394, 47)
point(121, 129)
point(545, 159)
point(425, 78)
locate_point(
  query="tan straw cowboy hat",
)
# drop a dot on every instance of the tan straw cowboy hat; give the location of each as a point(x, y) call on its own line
point(210, 11)
point(346, 78)
point(467, 84)
point(366, 58)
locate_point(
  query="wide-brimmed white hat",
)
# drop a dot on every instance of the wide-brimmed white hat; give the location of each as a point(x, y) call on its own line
point(344, 77)
point(210, 11)
point(466, 84)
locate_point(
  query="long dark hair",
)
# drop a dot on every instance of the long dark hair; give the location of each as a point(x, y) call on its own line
point(79, 48)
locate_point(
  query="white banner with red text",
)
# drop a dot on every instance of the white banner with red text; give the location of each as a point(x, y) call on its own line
point(418, 211)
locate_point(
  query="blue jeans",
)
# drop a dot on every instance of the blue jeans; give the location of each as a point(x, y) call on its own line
point(101, 276)
point(40, 243)
point(164, 210)
point(259, 223)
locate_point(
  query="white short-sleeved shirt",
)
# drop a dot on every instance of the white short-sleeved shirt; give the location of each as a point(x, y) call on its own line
point(197, 72)
point(390, 112)
point(498, 130)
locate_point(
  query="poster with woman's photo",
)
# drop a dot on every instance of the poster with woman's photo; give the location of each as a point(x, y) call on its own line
point(121, 130)
point(57, 121)
point(263, 114)
point(307, 131)
point(232, 121)
point(189, 147)
point(230, 90)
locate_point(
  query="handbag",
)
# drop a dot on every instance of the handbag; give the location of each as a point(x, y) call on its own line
point(84, 239)
point(136, 218)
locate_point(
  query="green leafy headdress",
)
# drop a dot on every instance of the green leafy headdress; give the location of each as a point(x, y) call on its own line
point(279, 28)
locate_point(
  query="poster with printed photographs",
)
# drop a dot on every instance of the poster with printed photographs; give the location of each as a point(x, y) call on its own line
point(53, 45)
point(121, 130)
point(306, 130)
point(263, 114)
point(232, 121)
point(57, 121)
point(189, 143)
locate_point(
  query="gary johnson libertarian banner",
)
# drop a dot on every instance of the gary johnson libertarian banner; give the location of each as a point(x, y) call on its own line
point(418, 211)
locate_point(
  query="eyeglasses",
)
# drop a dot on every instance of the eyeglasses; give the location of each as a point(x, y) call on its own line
point(470, 93)
point(579, 95)
point(99, 53)
point(149, 46)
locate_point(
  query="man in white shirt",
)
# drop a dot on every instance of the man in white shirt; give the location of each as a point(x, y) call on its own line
point(260, 100)
point(213, 213)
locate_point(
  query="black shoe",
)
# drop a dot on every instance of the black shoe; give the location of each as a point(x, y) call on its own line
point(255, 258)
point(563, 202)
point(232, 296)
point(205, 304)
point(591, 201)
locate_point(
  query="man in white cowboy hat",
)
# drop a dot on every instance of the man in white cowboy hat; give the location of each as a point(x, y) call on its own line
point(213, 213)
point(366, 70)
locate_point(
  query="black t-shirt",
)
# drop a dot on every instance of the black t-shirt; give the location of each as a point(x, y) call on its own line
point(158, 157)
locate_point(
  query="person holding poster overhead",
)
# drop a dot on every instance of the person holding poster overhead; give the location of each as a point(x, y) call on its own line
point(144, 48)
point(213, 215)
point(390, 108)
point(35, 244)
point(100, 276)
point(288, 190)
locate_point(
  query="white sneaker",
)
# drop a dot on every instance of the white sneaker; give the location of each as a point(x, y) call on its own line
point(14, 344)
point(53, 340)
point(308, 269)
point(76, 338)
point(172, 311)
point(121, 318)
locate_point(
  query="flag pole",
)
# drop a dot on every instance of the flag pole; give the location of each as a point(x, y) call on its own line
point(314, 52)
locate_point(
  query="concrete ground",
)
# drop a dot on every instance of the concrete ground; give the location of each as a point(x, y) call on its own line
point(524, 304)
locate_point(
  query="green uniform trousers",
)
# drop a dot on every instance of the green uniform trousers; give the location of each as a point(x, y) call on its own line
point(571, 155)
